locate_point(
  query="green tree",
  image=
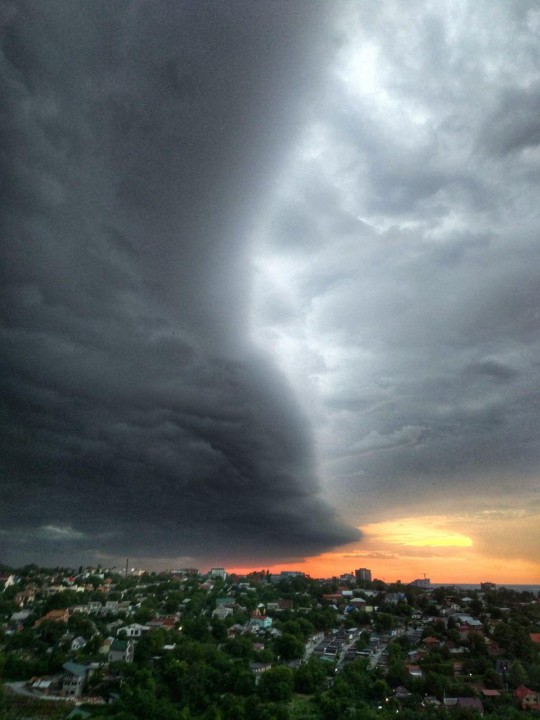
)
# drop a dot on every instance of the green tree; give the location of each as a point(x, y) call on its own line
point(218, 630)
point(383, 622)
point(276, 684)
point(197, 629)
point(310, 676)
point(51, 631)
point(289, 647)
point(396, 674)
point(240, 646)
point(517, 675)
point(492, 679)
point(477, 645)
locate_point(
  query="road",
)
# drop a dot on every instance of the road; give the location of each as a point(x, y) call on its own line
point(375, 658)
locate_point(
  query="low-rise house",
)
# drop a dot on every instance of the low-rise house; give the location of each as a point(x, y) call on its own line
point(527, 699)
point(121, 651)
point(468, 620)
point(227, 601)
point(358, 602)
point(28, 595)
point(19, 617)
point(258, 667)
point(43, 685)
point(106, 646)
point(395, 598)
point(7, 580)
point(80, 609)
point(135, 630)
point(74, 679)
point(464, 703)
point(167, 622)
point(78, 643)
point(54, 590)
point(114, 625)
point(235, 630)
point(402, 693)
point(490, 693)
point(285, 603)
point(53, 616)
point(331, 597)
point(468, 703)
point(260, 621)
point(222, 612)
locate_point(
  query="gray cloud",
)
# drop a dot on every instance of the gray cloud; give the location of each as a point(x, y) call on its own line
point(418, 296)
point(139, 140)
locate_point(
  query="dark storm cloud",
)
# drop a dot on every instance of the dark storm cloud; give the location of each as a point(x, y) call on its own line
point(138, 140)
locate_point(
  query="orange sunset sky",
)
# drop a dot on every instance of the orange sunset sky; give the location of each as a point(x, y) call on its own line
point(498, 546)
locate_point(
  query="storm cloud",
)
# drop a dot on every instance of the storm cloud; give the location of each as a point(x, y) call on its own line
point(138, 416)
point(269, 274)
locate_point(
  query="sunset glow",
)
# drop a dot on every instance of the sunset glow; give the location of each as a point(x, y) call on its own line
point(435, 546)
point(416, 532)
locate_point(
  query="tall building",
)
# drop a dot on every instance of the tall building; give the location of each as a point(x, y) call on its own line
point(488, 586)
point(363, 575)
point(185, 572)
point(218, 572)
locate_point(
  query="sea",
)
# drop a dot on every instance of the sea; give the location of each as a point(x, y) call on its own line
point(476, 586)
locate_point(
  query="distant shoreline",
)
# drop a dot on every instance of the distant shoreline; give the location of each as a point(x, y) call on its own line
point(476, 586)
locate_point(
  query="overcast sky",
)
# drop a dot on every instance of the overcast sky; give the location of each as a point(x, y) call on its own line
point(270, 277)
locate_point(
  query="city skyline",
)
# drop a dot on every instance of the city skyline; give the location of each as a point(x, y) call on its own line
point(269, 285)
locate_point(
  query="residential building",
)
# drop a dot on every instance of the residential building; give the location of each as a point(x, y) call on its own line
point(218, 573)
point(53, 616)
point(182, 573)
point(363, 575)
point(135, 630)
point(121, 651)
point(488, 586)
point(74, 679)
point(528, 699)
point(222, 611)
point(260, 621)
point(78, 643)
point(6, 581)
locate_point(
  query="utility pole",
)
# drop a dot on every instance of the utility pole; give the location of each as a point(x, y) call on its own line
point(126, 573)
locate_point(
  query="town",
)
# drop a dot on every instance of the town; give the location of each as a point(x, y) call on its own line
point(183, 645)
